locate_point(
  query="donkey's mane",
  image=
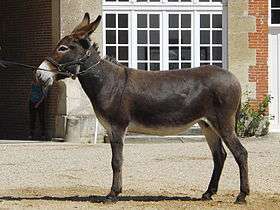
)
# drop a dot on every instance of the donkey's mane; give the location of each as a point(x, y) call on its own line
point(107, 57)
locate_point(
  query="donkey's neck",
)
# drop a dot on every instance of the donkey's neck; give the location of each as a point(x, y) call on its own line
point(101, 81)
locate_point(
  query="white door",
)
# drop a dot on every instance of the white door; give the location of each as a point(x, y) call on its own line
point(274, 64)
point(274, 79)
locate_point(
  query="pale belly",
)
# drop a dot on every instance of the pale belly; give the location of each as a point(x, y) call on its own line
point(152, 130)
point(159, 130)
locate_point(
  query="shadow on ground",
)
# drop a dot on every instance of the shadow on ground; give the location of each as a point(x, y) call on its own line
point(103, 199)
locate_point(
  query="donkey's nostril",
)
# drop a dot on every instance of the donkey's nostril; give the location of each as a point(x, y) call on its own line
point(63, 48)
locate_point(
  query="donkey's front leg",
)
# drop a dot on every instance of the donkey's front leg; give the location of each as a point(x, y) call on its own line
point(116, 141)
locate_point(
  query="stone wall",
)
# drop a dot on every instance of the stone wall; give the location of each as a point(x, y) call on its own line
point(74, 109)
point(248, 45)
point(240, 55)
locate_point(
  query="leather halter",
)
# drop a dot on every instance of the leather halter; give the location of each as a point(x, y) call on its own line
point(62, 67)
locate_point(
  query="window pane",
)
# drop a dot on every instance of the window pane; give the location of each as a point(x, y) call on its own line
point(217, 37)
point(173, 37)
point(142, 21)
point(186, 21)
point(142, 37)
point(173, 21)
point(216, 0)
point(154, 37)
point(123, 53)
point(110, 36)
point(154, 21)
point(186, 53)
point(173, 53)
point(110, 20)
point(186, 65)
point(203, 0)
point(217, 53)
point(185, 37)
point(275, 16)
point(154, 66)
point(186, 0)
point(143, 66)
point(205, 21)
point(141, 0)
point(173, 0)
point(217, 21)
point(154, 53)
point(204, 53)
point(123, 0)
point(111, 51)
point(218, 64)
point(204, 37)
point(173, 66)
point(275, 3)
point(124, 63)
point(142, 53)
point(204, 64)
point(123, 37)
point(123, 20)
point(154, 0)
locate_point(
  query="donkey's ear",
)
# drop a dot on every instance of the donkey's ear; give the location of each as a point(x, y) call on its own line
point(94, 25)
point(84, 32)
point(84, 23)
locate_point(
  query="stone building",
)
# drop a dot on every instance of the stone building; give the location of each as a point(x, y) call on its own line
point(241, 35)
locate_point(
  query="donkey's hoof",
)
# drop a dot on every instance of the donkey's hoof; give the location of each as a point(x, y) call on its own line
point(110, 199)
point(207, 196)
point(240, 199)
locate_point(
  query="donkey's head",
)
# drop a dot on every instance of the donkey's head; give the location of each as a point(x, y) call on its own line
point(69, 53)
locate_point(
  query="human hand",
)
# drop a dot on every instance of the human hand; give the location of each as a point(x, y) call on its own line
point(37, 105)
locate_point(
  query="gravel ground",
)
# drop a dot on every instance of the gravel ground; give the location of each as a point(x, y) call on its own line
point(169, 175)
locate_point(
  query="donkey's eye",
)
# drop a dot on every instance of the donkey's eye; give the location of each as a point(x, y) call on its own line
point(63, 48)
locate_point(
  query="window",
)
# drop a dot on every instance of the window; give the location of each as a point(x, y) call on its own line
point(210, 0)
point(158, 35)
point(116, 36)
point(148, 41)
point(211, 39)
point(179, 40)
point(275, 12)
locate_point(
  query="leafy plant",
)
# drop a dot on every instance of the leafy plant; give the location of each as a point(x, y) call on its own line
point(253, 122)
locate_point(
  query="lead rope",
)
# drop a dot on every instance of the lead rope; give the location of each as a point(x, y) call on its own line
point(34, 68)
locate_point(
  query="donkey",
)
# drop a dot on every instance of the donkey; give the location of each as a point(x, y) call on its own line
point(161, 103)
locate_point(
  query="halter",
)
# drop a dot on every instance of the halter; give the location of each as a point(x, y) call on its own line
point(62, 67)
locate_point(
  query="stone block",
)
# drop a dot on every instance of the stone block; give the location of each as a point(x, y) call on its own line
point(72, 129)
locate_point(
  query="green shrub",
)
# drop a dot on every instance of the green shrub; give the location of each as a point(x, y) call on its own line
point(253, 122)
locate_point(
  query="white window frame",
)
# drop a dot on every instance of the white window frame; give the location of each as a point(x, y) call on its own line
point(134, 58)
point(211, 45)
point(166, 41)
point(164, 7)
point(116, 28)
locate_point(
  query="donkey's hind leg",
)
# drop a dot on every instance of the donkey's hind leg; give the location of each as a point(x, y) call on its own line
point(219, 155)
point(225, 127)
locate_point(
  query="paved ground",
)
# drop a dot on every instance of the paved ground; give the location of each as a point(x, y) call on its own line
point(166, 176)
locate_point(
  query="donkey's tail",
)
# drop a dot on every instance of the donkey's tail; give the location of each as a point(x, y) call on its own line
point(237, 116)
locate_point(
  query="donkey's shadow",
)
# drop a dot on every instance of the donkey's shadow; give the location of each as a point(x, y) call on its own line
point(103, 199)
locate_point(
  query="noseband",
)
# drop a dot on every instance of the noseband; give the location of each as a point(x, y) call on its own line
point(62, 67)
